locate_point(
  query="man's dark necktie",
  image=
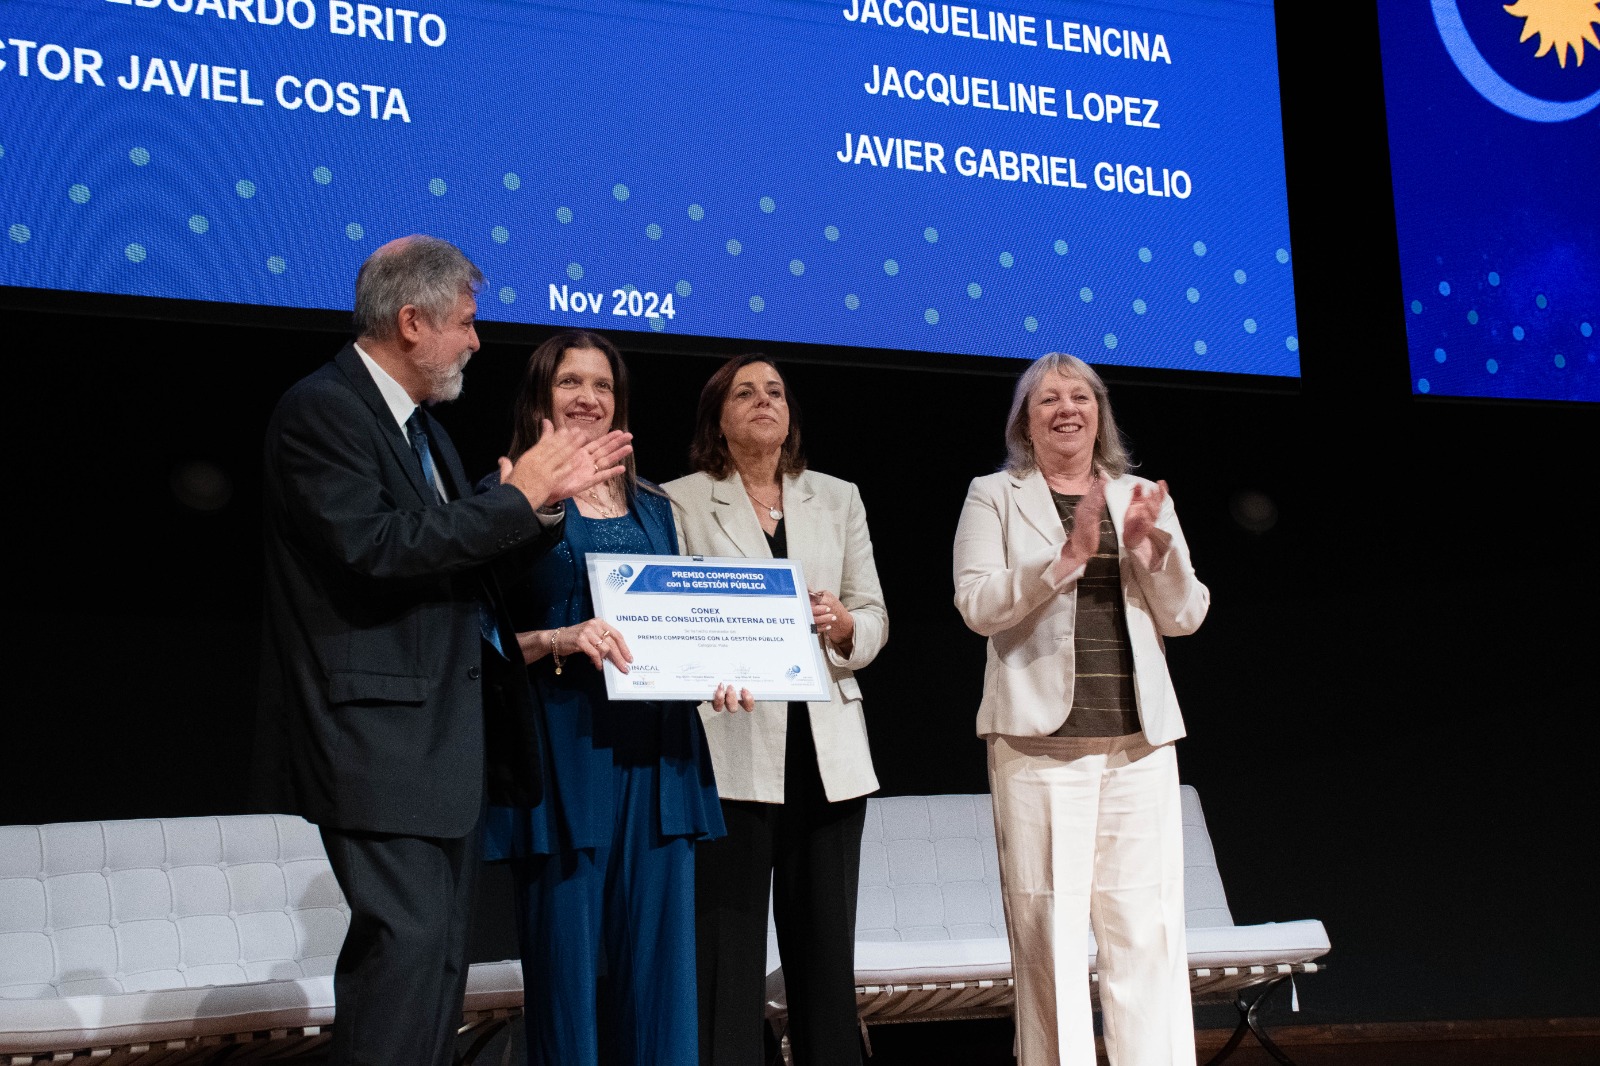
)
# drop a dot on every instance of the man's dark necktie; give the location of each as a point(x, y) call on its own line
point(419, 444)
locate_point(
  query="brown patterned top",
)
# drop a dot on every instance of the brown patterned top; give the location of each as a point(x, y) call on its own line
point(1103, 701)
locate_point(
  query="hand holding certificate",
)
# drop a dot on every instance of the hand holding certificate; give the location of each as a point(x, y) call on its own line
point(694, 624)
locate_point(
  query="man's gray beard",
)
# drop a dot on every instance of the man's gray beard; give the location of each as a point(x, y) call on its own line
point(444, 387)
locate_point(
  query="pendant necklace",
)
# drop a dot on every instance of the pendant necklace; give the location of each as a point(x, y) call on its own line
point(775, 513)
point(605, 505)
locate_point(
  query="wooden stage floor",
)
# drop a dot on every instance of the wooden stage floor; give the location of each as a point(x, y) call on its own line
point(1514, 1042)
point(1517, 1042)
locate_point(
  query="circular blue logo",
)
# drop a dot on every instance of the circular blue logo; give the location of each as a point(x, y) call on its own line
point(1489, 83)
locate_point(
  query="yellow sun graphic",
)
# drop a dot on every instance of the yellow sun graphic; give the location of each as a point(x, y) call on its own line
point(1558, 23)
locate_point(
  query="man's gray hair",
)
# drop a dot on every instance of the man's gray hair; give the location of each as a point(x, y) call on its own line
point(1110, 450)
point(425, 272)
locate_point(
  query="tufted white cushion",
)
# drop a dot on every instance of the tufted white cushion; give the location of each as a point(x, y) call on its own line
point(929, 907)
point(929, 870)
point(100, 908)
point(102, 922)
point(126, 932)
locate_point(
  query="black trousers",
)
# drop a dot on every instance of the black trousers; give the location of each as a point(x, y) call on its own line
point(402, 973)
point(809, 850)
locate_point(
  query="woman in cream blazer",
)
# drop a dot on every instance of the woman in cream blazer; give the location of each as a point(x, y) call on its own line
point(1076, 570)
point(1009, 537)
point(793, 778)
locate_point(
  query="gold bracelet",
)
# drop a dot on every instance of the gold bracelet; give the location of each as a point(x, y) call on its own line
point(556, 655)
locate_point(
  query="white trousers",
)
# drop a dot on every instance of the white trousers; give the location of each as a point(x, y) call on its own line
point(1090, 830)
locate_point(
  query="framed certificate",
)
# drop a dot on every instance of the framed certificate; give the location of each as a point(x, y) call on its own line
point(694, 623)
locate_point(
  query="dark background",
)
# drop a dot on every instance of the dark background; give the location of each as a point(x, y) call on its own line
point(1391, 706)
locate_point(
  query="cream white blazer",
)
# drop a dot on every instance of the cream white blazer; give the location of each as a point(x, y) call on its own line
point(826, 528)
point(1007, 539)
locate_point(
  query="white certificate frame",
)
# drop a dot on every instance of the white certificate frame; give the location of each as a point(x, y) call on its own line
point(694, 622)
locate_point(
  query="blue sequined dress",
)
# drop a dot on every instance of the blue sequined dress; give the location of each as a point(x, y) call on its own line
point(604, 864)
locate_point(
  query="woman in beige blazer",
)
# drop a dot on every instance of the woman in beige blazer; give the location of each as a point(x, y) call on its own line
point(793, 778)
point(1075, 570)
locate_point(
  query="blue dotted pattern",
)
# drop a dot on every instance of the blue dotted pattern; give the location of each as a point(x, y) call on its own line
point(1153, 296)
point(1487, 332)
point(949, 264)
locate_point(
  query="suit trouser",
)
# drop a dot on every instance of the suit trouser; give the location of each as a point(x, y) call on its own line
point(809, 851)
point(607, 937)
point(402, 973)
point(1090, 831)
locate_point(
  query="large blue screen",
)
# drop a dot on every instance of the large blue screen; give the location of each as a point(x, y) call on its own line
point(1100, 178)
point(1494, 143)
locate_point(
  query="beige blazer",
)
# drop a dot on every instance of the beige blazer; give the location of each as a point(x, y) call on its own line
point(826, 527)
point(1008, 537)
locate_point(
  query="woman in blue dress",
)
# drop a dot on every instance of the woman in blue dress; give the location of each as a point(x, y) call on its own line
point(604, 864)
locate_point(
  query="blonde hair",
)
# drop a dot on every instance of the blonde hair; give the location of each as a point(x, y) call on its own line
point(1110, 450)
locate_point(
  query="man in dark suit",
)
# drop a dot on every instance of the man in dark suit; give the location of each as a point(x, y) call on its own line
point(383, 624)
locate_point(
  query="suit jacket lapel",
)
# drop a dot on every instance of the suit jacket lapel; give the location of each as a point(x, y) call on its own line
point(1037, 508)
point(576, 531)
point(360, 379)
point(1119, 493)
point(732, 511)
point(798, 519)
point(653, 514)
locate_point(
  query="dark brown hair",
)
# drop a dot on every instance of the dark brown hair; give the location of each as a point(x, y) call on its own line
point(708, 451)
point(533, 404)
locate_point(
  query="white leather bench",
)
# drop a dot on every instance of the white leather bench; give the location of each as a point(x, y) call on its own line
point(164, 940)
point(931, 935)
point(167, 940)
